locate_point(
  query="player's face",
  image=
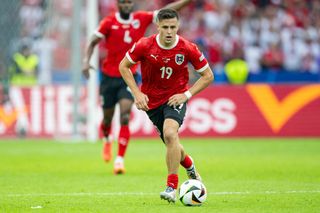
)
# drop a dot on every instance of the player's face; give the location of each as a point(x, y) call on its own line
point(125, 6)
point(168, 29)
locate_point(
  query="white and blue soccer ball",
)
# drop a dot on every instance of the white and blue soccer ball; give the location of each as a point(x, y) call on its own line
point(192, 193)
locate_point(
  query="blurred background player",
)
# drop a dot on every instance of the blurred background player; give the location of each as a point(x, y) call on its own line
point(23, 72)
point(24, 68)
point(120, 31)
point(164, 91)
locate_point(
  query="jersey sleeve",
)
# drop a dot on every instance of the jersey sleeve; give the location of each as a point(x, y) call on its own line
point(135, 54)
point(103, 28)
point(197, 59)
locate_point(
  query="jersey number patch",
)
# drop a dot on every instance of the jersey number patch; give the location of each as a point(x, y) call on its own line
point(166, 72)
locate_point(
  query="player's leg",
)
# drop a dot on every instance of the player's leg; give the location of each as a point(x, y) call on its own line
point(124, 134)
point(173, 155)
point(178, 113)
point(176, 155)
point(125, 100)
point(105, 129)
point(157, 116)
point(108, 99)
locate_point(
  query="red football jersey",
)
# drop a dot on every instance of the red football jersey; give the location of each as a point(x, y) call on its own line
point(165, 71)
point(120, 35)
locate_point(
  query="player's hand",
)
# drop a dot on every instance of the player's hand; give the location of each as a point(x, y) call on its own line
point(141, 101)
point(177, 99)
point(85, 70)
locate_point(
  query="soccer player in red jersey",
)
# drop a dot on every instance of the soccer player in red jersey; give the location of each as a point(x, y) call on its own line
point(120, 31)
point(164, 91)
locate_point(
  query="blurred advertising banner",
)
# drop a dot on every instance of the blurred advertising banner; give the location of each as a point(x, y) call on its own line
point(252, 110)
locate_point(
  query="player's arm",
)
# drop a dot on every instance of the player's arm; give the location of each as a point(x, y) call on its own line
point(206, 78)
point(141, 100)
point(177, 5)
point(88, 53)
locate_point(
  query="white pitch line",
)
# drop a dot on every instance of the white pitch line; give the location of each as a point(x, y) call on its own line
point(75, 194)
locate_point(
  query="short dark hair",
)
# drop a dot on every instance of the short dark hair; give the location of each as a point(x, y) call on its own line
point(167, 14)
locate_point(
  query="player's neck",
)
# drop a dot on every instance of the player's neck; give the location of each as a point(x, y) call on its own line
point(166, 45)
point(124, 16)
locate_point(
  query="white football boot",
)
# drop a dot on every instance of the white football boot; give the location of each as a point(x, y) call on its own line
point(169, 194)
point(193, 174)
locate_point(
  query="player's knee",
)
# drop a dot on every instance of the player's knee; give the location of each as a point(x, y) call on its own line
point(124, 118)
point(169, 135)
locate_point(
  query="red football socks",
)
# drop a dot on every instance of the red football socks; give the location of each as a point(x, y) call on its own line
point(172, 181)
point(123, 140)
point(187, 162)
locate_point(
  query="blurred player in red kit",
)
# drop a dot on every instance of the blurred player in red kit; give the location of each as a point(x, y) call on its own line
point(120, 31)
point(164, 91)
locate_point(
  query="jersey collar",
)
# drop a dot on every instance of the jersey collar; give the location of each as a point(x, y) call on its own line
point(167, 48)
point(123, 21)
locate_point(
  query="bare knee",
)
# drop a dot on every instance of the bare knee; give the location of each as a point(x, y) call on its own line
point(170, 136)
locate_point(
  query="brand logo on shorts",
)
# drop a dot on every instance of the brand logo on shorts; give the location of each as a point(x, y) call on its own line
point(179, 59)
point(178, 108)
point(129, 90)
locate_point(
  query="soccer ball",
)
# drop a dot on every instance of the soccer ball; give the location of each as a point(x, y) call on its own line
point(192, 193)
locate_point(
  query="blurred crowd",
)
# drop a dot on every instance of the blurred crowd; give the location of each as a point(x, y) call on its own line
point(269, 35)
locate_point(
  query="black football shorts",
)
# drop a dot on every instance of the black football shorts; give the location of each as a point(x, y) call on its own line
point(113, 89)
point(159, 114)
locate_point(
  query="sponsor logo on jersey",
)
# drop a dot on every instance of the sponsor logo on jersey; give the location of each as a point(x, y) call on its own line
point(179, 59)
point(135, 24)
point(114, 27)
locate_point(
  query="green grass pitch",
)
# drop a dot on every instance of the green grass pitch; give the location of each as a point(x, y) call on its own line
point(241, 175)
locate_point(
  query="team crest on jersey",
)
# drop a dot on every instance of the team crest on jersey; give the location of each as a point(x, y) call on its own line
point(135, 24)
point(179, 59)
